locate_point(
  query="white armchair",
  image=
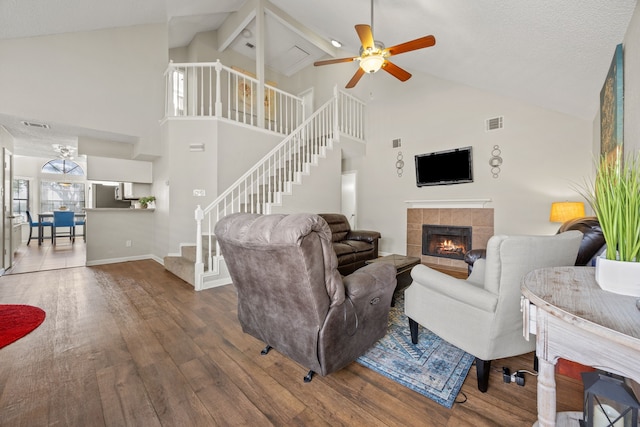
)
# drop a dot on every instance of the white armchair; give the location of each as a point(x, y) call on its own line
point(481, 315)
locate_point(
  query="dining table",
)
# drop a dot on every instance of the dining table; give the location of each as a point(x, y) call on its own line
point(48, 216)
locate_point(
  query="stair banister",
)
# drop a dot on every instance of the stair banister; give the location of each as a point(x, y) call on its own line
point(218, 68)
point(256, 189)
point(271, 161)
point(199, 265)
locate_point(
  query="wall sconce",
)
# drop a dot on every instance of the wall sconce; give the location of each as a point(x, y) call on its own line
point(495, 161)
point(399, 164)
point(608, 401)
point(564, 211)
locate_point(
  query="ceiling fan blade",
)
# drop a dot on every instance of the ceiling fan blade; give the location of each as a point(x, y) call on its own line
point(355, 79)
point(366, 36)
point(334, 61)
point(396, 71)
point(421, 43)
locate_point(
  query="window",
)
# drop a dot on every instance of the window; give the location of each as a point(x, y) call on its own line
point(177, 83)
point(21, 197)
point(62, 166)
point(55, 194)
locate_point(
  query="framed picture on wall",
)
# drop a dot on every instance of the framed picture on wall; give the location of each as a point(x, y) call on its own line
point(612, 109)
point(246, 96)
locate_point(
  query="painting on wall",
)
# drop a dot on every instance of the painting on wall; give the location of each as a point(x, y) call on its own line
point(245, 95)
point(612, 109)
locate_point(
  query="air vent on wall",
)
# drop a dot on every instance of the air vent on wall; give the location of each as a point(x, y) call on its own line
point(494, 123)
point(35, 125)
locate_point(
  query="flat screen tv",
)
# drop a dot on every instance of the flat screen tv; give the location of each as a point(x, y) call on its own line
point(444, 167)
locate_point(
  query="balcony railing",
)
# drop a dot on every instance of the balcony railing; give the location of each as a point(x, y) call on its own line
point(271, 177)
point(210, 89)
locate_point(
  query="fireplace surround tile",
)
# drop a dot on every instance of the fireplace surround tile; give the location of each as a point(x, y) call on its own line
point(480, 220)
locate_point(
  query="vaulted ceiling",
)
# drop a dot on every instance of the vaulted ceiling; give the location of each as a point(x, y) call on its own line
point(550, 53)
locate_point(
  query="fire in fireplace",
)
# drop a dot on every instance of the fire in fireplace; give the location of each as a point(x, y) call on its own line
point(447, 241)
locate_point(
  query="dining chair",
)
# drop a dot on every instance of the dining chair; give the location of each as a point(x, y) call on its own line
point(81, 221)
point(63, 219)
point(36, 224)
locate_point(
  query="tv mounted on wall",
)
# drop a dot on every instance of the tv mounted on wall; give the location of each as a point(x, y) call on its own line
point(444, 167)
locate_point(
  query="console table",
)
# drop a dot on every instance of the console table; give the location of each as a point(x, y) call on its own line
point(574, 319)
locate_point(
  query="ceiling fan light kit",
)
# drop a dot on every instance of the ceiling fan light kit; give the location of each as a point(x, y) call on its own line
point(373, 55)
point(371, 63)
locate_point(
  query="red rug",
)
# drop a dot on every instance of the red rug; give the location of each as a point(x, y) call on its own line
point(16, 321)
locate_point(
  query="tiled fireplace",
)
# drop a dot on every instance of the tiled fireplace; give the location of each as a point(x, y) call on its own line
point(454, 231)
point(446, 241)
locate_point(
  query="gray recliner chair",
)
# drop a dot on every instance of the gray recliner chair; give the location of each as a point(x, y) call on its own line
point(481, 315)
point(291, 295)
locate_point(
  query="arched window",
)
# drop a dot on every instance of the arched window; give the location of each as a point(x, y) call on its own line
point(61, 194)
point(63, 167)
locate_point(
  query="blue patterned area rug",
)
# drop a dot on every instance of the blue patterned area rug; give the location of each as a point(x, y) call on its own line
point(433, 367)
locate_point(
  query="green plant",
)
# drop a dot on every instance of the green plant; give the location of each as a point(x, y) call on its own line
point(144, 201)
point(615, 199)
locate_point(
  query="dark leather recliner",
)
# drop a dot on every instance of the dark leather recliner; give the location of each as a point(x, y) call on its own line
point(291, 296)
point(352, 247)
point(592, 241)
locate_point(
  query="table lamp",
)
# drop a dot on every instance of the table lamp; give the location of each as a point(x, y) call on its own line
point(564, 211)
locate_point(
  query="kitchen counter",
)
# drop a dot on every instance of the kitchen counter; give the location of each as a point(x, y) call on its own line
point(119, 210)
point(118, 235)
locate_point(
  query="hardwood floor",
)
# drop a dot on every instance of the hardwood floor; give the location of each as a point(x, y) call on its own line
point(130, 344)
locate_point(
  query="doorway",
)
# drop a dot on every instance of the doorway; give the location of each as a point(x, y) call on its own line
point(307, 102)
point(7, 210)
point(349, 208)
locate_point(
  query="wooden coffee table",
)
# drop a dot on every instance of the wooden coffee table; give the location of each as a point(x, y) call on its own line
point(403, 265)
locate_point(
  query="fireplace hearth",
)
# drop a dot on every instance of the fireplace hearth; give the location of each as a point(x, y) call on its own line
point(446, 241)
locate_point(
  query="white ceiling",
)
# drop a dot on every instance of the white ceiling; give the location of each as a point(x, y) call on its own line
point(551, 53)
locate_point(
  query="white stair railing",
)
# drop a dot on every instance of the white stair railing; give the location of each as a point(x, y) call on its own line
point(210, 89)
point(350, 115)
point(273, 175)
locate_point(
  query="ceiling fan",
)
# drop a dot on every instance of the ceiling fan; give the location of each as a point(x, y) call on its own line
point(373, 54)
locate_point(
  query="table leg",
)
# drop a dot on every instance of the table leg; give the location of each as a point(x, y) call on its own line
point(546, 394)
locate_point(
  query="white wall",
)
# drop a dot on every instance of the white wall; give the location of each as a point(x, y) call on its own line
point(239, 148)
point(229, 151)
point(320, 191)
point(6, 140)
point(109, 230)
point(544, 155)
point(108, 80)
point(204, 48)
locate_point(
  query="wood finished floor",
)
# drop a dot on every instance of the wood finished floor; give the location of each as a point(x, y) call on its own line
point(130, 344)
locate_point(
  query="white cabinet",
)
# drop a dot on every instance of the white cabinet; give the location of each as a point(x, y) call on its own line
point(132, 191)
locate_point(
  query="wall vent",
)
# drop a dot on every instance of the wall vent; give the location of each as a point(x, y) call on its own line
point(397, 143)
point(494, 123)
point(35, 125)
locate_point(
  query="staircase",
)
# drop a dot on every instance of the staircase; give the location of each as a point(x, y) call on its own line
point(265, 185)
